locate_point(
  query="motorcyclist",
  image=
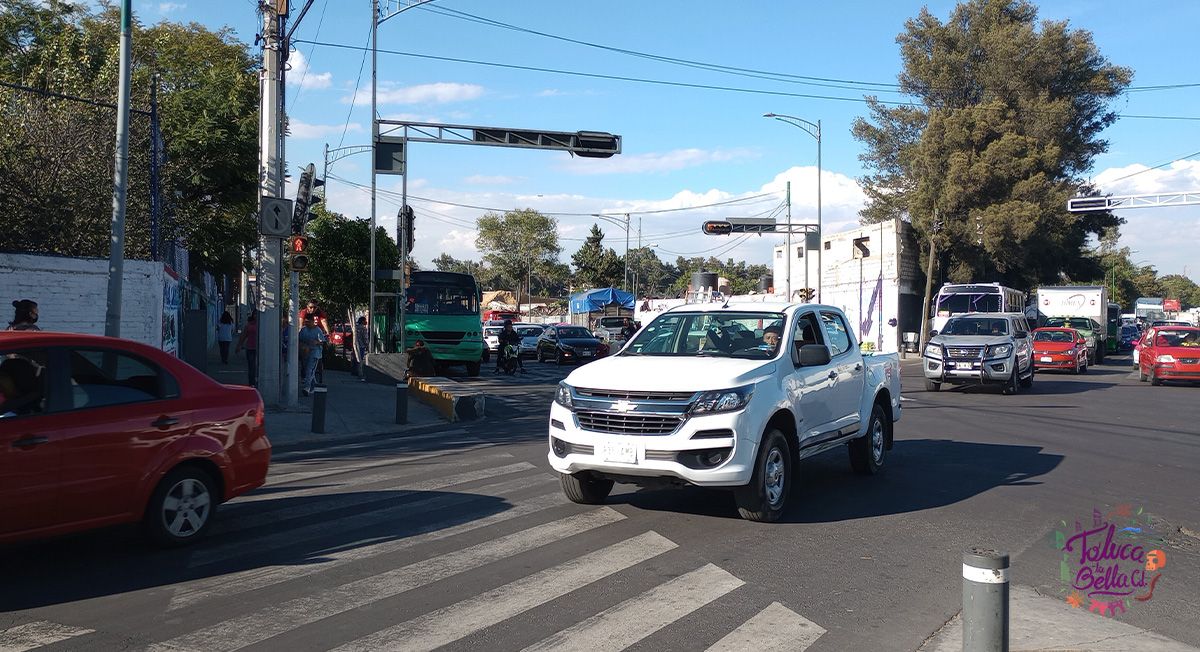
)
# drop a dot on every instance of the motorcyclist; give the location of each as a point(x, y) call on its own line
point(506, 337)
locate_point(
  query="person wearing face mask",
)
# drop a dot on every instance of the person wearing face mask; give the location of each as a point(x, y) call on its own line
point(25, 317)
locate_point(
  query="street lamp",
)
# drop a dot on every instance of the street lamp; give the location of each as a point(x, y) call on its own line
point(812, 129)
point(625, 223)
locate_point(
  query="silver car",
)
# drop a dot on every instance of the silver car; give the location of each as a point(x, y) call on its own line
point(529, 339)
point(980, 349)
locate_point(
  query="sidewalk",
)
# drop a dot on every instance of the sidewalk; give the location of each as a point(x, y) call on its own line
point(353, 409)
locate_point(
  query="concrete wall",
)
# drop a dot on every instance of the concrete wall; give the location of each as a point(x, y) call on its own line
point(71, 294)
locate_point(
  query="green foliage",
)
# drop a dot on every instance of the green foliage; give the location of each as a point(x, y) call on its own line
point(595, 265)
point(1009, 116)
point(653, 277)
point(743, 278)
point(1177, 286)
point(519, 248)
point(339, 273)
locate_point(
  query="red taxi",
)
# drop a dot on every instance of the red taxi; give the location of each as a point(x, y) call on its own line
point(99, 431)
point(1170, 353)
point(1060, 348)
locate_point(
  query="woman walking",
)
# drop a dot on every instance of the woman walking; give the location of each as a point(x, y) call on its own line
point(25, 316)
point(225, 336)
point(249, 340)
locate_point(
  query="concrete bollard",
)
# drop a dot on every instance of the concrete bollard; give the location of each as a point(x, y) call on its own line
point(318, 409)
point(401, 403)
point(985, 601)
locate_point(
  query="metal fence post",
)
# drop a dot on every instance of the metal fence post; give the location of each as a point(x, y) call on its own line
point(985, 600)
point(318, 409)
point(401, 402)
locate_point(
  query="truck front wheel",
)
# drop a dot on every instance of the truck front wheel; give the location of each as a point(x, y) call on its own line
point(866, 452)
point(585, 488)
point(764, 498)
point(932, 385)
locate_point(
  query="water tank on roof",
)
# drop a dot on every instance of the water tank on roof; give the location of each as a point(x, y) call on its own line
point(701, 280)
point(765, 283)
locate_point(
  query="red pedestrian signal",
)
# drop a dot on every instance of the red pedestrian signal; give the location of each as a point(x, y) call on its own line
point(718, 228)
point(298, 248)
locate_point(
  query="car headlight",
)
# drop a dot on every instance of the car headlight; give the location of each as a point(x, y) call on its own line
point(933, 350)
point(999, 351)
point(562, 396)
point(1165, 358)
point(723, 400)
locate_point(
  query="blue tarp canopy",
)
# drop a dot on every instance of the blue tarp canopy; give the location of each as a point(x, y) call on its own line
point(594, 300)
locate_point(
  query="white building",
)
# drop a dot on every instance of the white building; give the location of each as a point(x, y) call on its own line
point(804, 267)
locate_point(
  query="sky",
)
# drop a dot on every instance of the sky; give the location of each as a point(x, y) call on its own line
point(683, 147)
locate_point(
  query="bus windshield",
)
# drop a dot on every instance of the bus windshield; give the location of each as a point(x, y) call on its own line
point(442, 300)
point(951, 304)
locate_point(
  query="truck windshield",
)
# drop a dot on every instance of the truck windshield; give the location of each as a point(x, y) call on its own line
point(976, 326)
point(754, 335)
point(1078, 323)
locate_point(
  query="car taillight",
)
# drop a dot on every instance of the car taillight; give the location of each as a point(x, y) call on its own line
point(259, 415)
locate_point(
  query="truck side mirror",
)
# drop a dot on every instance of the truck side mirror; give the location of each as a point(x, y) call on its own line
point(814, 355)
point(933, 333)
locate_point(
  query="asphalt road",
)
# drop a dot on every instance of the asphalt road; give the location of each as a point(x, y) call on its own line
point(461, 538)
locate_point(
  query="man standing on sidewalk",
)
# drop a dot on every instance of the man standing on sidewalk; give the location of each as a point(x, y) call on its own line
point(312, 339)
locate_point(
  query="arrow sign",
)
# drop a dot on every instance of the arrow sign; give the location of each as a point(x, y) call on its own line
point(275, 217)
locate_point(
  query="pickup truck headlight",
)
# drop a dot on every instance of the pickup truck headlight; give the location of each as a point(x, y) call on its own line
point(933, 350)
point(562, 396)
point(1165, 358)
point(999, 351)
point(724, 400)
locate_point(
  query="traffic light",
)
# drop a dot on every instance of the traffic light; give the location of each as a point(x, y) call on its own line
point(407, 220)
point(306, 198)
point(298, 252)
point(807, 294)
point(718, 228)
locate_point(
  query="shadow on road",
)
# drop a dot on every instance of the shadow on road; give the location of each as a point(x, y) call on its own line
point(921, 474)
point(271, 532)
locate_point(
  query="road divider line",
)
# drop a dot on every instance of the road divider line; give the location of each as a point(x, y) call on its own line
point(774, 629)
point(631, 621)
point(277, 619)
point(31, 636)
point(462, 619)
point(435, 530)
point(280, 539)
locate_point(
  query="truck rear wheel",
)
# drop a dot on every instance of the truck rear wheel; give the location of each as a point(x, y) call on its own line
point(585, 488)
point(764, 498)
point(866, 452)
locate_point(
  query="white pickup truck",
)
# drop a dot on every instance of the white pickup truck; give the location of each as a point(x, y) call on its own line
point(725, 396)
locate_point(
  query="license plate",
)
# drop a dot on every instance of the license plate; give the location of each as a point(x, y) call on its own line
point(615, 451)
point(585, 354)
point(1047, 358)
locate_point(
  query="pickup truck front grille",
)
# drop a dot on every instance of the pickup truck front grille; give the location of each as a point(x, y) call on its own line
point(682, 397)
point(628, 424)
point(964, 352)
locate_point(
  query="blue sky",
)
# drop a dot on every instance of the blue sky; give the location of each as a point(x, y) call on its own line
point(682, 147)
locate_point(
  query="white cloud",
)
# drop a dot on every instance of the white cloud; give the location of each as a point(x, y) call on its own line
point(300, 75)
point(656, 161)
point(165, 8)
point(436, 93)
point(490, 180)
point(304, 130)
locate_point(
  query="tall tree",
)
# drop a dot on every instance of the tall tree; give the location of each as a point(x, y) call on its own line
point(595, 265)
point(518, 243)
point(1008, 117)
point(339, 273)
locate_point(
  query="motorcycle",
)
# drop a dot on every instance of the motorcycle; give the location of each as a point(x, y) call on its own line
point(508, 359)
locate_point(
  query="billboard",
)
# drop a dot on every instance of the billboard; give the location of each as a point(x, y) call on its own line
point(1171, 305)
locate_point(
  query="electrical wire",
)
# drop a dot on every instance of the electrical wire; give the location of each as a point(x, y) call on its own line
point(357, 84)
point(311, 50)
point(1160, 165)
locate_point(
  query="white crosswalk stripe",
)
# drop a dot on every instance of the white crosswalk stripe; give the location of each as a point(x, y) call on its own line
point(30, 636)
point(774, 629)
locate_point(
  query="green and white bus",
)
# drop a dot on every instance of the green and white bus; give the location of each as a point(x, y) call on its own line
point(443, 311)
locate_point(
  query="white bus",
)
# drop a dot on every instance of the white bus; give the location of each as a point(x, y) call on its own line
point(959, 298)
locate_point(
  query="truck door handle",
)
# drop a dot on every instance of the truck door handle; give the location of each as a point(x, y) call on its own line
point(832, 374)
point(164, 422)
point(30, 442)
point(858, 367)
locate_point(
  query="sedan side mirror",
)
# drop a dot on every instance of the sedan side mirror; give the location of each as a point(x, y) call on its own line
point(814, 355)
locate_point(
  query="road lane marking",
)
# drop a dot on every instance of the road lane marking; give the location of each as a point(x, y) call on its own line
point(462, 619)
point(277, 619)
point(283, 538)
point(247, 518)
point(31, 636)
point(435, 530)
point(774, 629)
point(633, 620)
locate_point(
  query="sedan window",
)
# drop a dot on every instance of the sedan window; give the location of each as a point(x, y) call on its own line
point(22, 383)
point(106, 377)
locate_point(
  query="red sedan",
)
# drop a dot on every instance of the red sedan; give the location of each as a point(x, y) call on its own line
point(98, 431)
point(1060, 348)
point(1170, 353)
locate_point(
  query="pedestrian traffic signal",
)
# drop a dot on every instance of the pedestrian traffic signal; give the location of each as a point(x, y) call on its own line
point(718, 228)
point(298, 252)
point(306, 197)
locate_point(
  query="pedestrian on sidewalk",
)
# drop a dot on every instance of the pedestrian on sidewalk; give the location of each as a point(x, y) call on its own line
point(249, 340)
point(225, 336)
point(312, 340)
point(360, 346)
point(25, 316)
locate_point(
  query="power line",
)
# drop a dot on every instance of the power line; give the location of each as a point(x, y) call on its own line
point(357, 83)
point(1160, 165)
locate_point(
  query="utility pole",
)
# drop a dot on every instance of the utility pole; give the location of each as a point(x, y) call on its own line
point(820, 229)
point(116, 252)
point(626, 282)
point(271, 186)
point(791, 253)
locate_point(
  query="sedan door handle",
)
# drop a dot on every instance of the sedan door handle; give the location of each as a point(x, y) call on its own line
point(165, 422)
point(30, 442)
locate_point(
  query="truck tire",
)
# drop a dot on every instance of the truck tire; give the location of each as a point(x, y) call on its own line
point(764, 499)
point(585, 488)
point(932, 385)
point(866, 452)
point(182, 507)
point(1011, 386)
point(1026, 383)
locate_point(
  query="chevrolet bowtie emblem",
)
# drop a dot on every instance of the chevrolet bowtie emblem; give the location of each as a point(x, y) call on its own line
point(624, 406)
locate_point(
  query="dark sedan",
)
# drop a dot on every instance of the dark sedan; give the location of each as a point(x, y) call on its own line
point(564, 344)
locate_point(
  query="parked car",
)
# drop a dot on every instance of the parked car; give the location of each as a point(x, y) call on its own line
point(980, 349)
point(1170, 353)
point(341, 335)
point(711, 395)
point(1060, 349)
point(565, 343)
point(98, 431)
point(529, 339)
